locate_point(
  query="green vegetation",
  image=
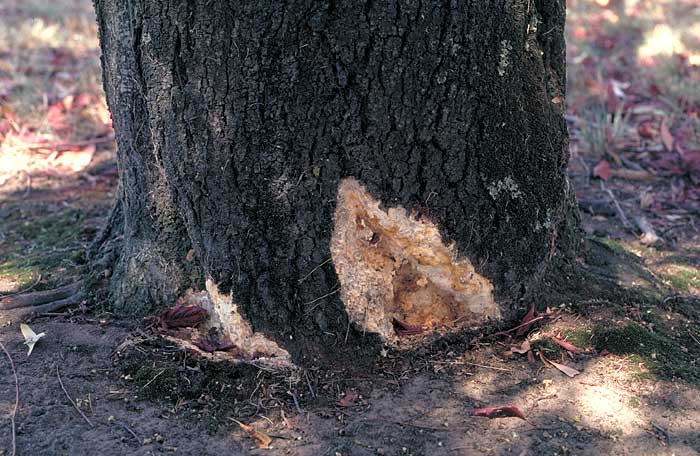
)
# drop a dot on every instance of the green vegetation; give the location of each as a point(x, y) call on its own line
point(684, 278)
point(661, 354)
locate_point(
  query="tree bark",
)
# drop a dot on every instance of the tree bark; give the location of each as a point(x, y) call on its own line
point(239, 124)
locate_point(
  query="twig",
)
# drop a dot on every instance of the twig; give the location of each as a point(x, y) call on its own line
point(693, 337)
point(128, 429)
point(623, 217)
point(487, 367)
point(58, 374)
point(527, 323)
point(151, 380)
point(308, 382)
point(318, 299)
point(314, 270)
point(14, 410)
point(296, 403)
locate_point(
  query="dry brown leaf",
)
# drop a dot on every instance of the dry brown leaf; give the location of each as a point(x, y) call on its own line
point(632, 174)
point(529, 316)
point(565, 345)
point(261, 439)
point(524, 348)
point(505, 411)
point(602, 170)
point(569, 371)
point(182, 316)
point(666, 136)
point(530, 357)
point(350, 398)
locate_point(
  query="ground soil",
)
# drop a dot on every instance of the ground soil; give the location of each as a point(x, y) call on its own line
point(419, 408)
point(638, 391)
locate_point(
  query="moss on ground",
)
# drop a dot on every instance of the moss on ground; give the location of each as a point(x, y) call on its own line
point(662, 355)
point(684, 278)
point(43, 240)
point(579, 337)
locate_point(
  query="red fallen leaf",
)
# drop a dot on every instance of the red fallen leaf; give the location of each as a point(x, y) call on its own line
point(611, 98)
point(214, 341)
point(647, 130)
point(526, 319)
point(182, 316)
point(505, 411)
point(654, 90)
point(604, 352)
point(565, 345)
point(404, 329)
point(530, 357)
point(350, 398)
point(602, 170)
point(666, 136)
point(82, 100)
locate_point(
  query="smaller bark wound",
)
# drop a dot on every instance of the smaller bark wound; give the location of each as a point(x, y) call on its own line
point(394, 266)
point(226, 316)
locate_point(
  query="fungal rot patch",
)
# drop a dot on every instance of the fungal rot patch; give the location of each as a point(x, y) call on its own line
point(393, 266)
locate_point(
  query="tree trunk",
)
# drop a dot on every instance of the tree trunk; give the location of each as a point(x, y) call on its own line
point(338, 167)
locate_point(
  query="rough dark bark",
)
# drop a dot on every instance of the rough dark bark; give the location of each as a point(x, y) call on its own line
point(237, 121)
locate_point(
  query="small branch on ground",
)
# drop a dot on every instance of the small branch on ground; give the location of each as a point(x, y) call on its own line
point(620, 212)
point(14, 410)
point(58, 374)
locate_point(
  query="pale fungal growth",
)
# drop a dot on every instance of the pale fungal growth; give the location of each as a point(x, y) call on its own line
point(392, 266)
point(504, 61)
point(507, 187)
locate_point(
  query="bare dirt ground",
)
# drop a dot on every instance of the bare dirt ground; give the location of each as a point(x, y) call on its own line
point(633, 116)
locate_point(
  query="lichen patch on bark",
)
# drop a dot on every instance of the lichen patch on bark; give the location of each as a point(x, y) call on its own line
point(393, 266)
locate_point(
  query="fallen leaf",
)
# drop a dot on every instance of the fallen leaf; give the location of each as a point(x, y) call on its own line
point(261, 439)
point(570, 371)
point(602, 170)
point(524, 348)
point(530, 357)
point(350, 398)
point(505, 411)
point(565, 345)
point(632, 174)
point(182, 316)
point(666, 136)
point(30, 337)
point(404, 329)
point(647, 130)
point(74, 160)
point(214, 341)
point(526, 319)
point(604, 352)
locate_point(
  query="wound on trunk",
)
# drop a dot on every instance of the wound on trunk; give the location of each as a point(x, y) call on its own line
point(393, 266)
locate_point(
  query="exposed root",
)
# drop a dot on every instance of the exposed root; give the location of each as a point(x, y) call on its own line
point(18, 307)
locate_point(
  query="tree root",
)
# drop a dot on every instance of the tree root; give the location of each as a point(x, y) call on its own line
point(18, 307)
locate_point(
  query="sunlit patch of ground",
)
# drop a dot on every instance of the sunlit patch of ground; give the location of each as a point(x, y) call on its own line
point(57, 170)
point(634, 112)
